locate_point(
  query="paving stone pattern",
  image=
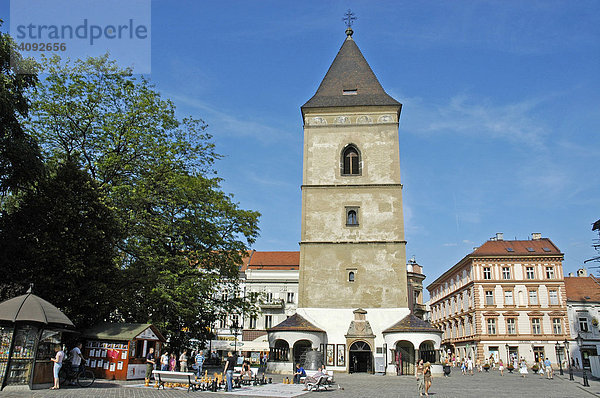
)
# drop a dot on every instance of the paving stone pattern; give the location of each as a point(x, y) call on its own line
point(363, 385)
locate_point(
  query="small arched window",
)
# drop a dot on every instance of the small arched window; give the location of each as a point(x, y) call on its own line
point(351, 218)
point(351, 276)
point(351, 161)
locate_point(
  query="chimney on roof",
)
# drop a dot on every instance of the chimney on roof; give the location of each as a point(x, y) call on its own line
point(581, 272)
point(571, 274)
point(536, 236)
point(499, 236)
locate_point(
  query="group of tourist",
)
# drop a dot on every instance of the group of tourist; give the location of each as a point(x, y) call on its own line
point(423, 375)
point(168, 362)
point(75, 356)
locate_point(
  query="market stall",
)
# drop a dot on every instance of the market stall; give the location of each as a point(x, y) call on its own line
point(118, 351)
point(30, 327)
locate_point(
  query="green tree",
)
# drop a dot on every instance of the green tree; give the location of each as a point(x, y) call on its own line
point(183, 237)
point(62, 238)
point(20, 162)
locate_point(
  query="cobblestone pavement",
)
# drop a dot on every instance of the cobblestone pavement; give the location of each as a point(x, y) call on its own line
point(363, 385)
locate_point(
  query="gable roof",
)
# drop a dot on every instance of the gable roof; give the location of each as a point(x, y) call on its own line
point(273, 260)
point(543, 246)
point(120, 331)
point(506, 249)
point(295, 323)
point(582, 288)
point(411, 323)
point(350, 71)
point(31, 308)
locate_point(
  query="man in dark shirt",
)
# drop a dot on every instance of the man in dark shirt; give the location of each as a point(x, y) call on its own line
point(229, 365)
point(150, 362)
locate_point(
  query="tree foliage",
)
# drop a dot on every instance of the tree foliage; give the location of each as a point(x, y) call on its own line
point(62, 238)
point(183, 237)
point(20, 162)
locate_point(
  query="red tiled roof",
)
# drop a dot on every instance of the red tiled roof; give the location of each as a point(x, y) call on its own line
point(272, 261)
point(582, 288)
point(519, 248)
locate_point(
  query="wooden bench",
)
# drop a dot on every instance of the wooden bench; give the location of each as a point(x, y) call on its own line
point(163, 376)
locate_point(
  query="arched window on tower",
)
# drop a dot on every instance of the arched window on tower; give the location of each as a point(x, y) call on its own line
point(352, 219)
point(351, 161)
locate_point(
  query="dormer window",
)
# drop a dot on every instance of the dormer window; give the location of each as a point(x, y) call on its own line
point(350, 92)
point(350, 161)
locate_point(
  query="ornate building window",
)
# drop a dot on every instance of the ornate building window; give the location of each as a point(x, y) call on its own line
point(350, 161)
point(511, 326)
point(489, 297)
point(583, 324)
point(487, 273)
point(530, 272)
point(508, 297)
point(553, 297)
point(556, 326)
point(268, 321)
point(536, 326)
point(505, 273)
point(549, 272)
point(533, 298)
point(491, 324)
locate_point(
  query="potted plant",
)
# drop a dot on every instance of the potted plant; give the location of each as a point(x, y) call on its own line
point(510, 368)
point(486, 366)
point(535, 368)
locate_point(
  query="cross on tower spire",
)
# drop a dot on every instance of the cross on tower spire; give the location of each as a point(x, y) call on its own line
point(349, 18)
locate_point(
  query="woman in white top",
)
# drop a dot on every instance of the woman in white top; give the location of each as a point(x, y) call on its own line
point(523, 368)
point(58, 360)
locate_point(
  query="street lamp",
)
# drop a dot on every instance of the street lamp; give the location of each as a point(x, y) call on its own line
point(569, 360)
point(507, 355)
point(558, 356)
point(579, 343)
point(235, 330)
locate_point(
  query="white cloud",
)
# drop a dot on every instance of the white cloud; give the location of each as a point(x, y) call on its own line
point(474, 117)
point(226, 122)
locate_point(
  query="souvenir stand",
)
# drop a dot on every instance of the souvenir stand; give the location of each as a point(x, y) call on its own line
point(30, 327)
point(117, 351)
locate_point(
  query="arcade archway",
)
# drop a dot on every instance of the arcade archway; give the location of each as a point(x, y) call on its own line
point(405, 358)
point(300, 349)
point(361, 358)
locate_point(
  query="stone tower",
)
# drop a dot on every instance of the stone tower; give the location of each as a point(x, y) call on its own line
point(352, 249)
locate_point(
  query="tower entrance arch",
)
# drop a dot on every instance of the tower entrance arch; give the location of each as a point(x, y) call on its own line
point(361, 358)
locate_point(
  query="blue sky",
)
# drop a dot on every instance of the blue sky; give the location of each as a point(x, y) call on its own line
point(498, 133)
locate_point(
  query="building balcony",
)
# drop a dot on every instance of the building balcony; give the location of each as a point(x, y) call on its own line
point(273, 304)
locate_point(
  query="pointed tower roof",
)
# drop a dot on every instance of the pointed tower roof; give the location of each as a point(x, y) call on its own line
point(350, 82)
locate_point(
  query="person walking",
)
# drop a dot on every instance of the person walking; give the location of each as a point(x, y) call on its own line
point(183, 361)
point(501, 367)
point(199, 362)
point(523, 368)
point(150, 362)
point(164, 361)
point(420, 377)
point(478, 364)
point(470, 365)
point(549, 372)
point(229, 365)
point(58, 361)
point(427, 377)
